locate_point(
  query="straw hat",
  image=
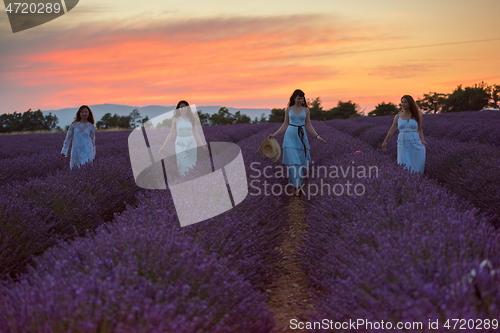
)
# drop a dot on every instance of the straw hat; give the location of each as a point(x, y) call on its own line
point(271, 149)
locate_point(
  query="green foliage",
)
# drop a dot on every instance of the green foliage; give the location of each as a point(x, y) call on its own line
point(145, 123)
point(27, 121)
point(343, 110)
point(204, 118)
point(135, 117)
point(167, 123)
point(262, 119)
point(316, 110)
point(241, 118)
point(461, 99)
point(109, 121)
point(277, 116)
point(468, 99)
point(495, 96)
point(223, 117)
point(384, 109)
point(432, 102)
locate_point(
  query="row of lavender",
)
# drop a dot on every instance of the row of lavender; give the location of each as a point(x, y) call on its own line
point(403, 250)
point(144, 273)
point(38, 213)
point(42, 202)
point(23, 157)
point(469, 169)
point(481, 127)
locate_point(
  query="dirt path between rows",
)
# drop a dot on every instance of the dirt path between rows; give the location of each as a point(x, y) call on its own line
point(289, 297)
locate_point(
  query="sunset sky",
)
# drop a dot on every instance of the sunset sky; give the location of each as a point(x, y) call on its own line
point(248, 54)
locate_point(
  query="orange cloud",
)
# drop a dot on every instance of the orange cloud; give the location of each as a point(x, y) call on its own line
point(216, 60)
point(237, 61)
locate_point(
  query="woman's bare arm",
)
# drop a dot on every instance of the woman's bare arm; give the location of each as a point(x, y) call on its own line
point(310, 127)
point(171, 135)
point(283, 127)
point(391, 131)
point(421, 134)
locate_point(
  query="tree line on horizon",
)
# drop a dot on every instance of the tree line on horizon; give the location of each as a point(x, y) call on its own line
point(28, 121)
point(461, 99)
point(473, 98)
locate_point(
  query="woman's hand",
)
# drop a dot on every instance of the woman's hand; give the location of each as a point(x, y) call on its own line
point(321, 139)
point(424, 143)
point(63, 155)
point(384, 144)
point(271, 136)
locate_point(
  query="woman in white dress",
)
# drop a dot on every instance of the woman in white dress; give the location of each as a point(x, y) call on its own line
point(187, 137)
point(81, 134)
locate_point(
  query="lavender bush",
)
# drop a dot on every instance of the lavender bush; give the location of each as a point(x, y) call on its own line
point(469, 169)
point(145, 273)
point(132, 277)
point(480, 127)
point(402, 251)
point(245, 235)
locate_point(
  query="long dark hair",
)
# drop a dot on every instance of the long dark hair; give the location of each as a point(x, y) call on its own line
point(177, 112)
point(296, 93)
point(90, 117)
point(415, 112)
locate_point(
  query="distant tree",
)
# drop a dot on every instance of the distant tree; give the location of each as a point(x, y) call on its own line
point(135, 117)
point(223, 117)
point(277, 116)
point(241, 118)
point(105, 122)
point(27, 121)
point(495, 96)
point(316, 110)
point(432, 102)
point(144, 122)
point(111, 121)
point(124, 122)
point(384, 109)
point(263, 118)
point(50, 122)
point(166, 123)
point(204, 118)
point(343, 110)
point(468, 99)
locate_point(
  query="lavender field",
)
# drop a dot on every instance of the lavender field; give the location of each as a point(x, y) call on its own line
point(87, 250)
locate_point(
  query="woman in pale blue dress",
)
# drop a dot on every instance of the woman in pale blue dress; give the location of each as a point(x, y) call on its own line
point(296, 149)
point(81, 134)
point(187, 137)
point(411, 143)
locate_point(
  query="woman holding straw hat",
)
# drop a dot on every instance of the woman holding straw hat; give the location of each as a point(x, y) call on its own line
point(296, 150)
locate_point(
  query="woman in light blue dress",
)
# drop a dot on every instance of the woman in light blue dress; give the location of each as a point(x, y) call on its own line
point(296, 150)
point(81, 134)
point(411, 143)
point(187, 138)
